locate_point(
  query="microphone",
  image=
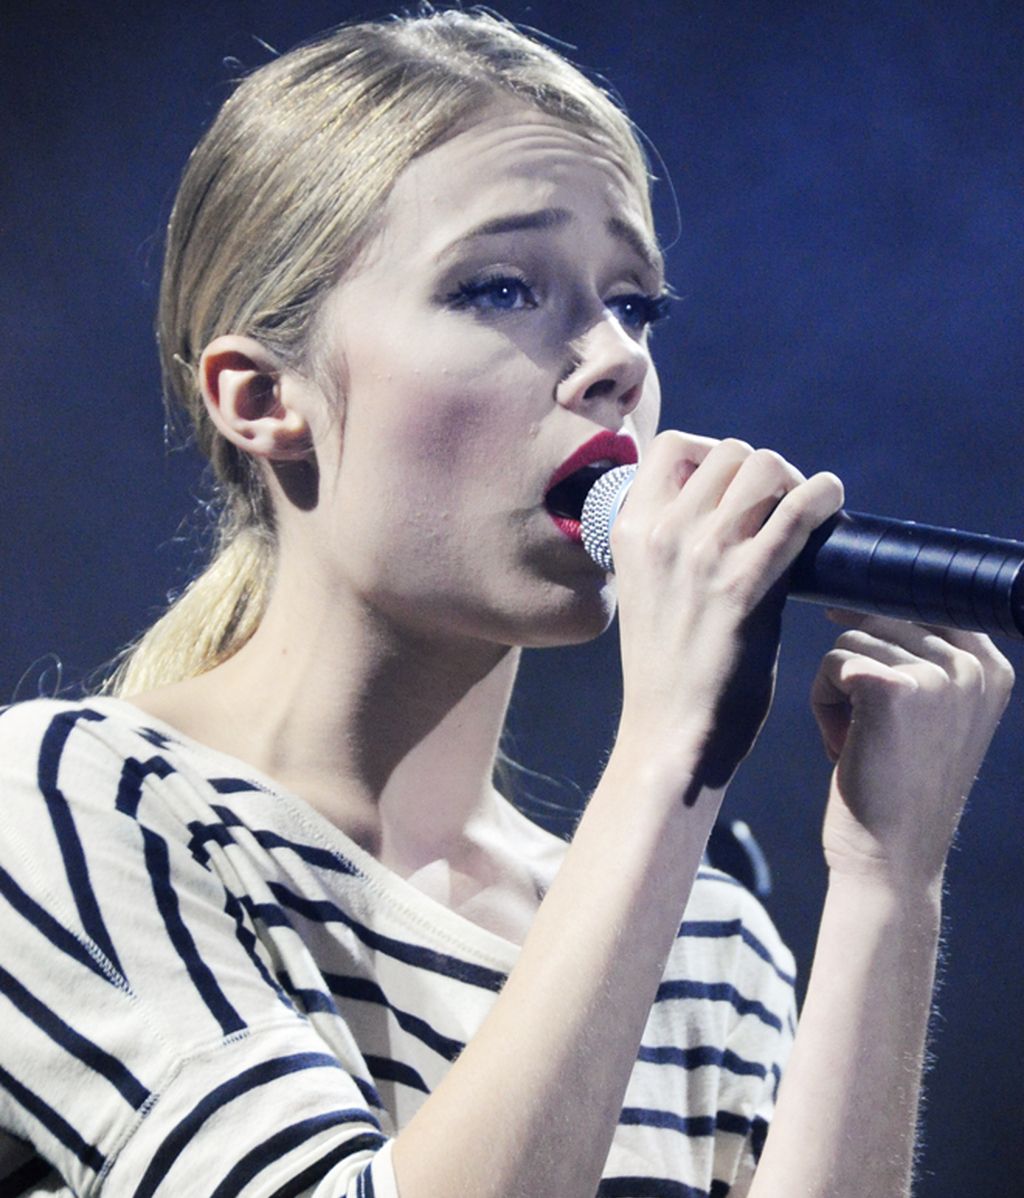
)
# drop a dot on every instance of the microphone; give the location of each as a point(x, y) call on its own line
point(874, 564)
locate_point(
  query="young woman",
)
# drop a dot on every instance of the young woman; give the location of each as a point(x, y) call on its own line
point(268, 926)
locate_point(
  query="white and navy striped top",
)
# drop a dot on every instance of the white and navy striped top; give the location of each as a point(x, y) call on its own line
point(206, 988)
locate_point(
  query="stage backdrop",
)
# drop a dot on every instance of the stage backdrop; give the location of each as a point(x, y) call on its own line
point(841, 201)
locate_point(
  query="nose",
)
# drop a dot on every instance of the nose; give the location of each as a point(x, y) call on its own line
point(608, 370)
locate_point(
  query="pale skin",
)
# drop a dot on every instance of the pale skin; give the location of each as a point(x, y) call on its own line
point(376, 686)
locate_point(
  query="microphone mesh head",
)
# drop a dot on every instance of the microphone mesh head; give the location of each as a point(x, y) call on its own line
point(599, 511)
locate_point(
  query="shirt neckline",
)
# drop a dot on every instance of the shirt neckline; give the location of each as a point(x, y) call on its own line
point(417, 909)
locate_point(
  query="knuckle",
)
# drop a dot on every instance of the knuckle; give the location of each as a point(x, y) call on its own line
point(803, 507)
point(624, 529)
point(772, 462)
point(662, 541)
point(1001, 676)
point(933, 677)
point(777, 471)
point(670, 438)
point(969, 669)
point(677, 444)
point(832, 486)
point(793, 521)
point(704, 551)
point(852, 641)
point(666, 447)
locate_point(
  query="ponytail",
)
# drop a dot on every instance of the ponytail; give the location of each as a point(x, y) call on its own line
point(212, 618)
point(278, 200)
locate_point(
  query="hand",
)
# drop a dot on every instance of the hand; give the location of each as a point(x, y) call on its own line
point(906, 713)
point(701, 548)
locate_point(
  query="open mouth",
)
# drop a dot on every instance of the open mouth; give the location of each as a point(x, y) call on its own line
point(565, 499)
point(572, 481)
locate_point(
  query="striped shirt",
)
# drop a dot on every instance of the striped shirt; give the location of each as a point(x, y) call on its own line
point(207, 988)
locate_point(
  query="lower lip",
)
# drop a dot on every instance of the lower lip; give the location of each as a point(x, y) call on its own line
point(569, 527)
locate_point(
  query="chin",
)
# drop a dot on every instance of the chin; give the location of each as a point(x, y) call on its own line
point(538, 615)
point(573, 618)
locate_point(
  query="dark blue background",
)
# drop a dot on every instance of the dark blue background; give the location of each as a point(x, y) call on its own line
point(846, 235)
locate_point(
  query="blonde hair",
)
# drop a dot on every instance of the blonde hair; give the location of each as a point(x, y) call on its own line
point(276, 202)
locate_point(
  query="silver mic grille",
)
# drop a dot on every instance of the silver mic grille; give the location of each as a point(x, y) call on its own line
point(600, 508)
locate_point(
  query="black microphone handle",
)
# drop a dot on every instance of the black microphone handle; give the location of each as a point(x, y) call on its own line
point(914, 572)
point(875, 564)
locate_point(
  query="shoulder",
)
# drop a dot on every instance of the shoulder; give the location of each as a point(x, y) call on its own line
point(95, 754)
point(106, 725)
point(36, 736)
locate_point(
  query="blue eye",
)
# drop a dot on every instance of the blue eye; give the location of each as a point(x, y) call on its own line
point(637, 312)
point(499, 293)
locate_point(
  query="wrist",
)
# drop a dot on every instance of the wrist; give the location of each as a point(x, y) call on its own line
point(664, 764)
point(884, 844)
point(879, 888)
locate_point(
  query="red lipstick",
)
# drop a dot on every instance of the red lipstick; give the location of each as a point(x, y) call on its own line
point(605, 450)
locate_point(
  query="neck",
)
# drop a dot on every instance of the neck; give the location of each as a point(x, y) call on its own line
point(390, 734)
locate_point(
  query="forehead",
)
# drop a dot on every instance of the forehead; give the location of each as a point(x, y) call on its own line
point(513, 160)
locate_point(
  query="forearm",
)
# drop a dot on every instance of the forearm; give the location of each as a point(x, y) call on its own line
point(531, 1105)
point(699, 550)
point(846, 1119)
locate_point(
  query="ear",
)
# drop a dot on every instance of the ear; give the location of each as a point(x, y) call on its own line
point(260, 406)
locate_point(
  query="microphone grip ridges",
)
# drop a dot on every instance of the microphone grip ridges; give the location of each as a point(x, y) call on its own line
point(915, 572)
point(875, 564)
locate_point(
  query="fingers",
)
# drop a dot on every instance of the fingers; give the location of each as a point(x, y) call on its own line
point(894, 651)
point(800, 511)
point(844, 669)
point(669, 463)
point(843, 674)
point(878, 661)
point(712, 497)
point(967, 658)
point(747, 487)
point(744, 488)
point(972, 642)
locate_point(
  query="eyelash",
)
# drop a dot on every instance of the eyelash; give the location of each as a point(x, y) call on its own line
point(644, 310)
point(650, 308)
point(470, 294)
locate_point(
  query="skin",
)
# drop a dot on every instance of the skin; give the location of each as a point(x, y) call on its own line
point(429, 380)
point(377, 684)
point(453, 418)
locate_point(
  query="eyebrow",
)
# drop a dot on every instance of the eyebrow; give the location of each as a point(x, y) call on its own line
point(638, 241)
point(541, 218)
point(553, 218)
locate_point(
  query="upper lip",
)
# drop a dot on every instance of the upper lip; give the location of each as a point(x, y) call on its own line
point(617, 448)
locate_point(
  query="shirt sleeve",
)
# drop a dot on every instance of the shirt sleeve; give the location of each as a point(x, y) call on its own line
point(147, 1047)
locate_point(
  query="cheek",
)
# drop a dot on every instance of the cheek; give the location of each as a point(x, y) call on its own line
point(647, 413)
point(445, 421)
point(438, 424)
point(432, 474)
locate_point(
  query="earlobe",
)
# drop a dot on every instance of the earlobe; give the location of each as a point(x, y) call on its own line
point(256, 403)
